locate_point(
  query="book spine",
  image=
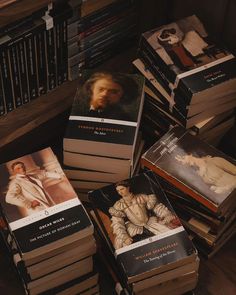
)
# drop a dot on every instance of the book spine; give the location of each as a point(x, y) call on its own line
point(31, 65)
point(2, 98)
point(41, 62)
point(24, 81)
point(64, 52)
point(58, 37)
point(6, 80)
point(147, 57)
point(15, 75)
point(51, 58)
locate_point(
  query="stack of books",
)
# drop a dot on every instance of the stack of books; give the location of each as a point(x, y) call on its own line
point(190, 80)
point(101, 143)
point(146, 247)
point(101, 30)
point(201, 183)
point(33, 55)
point(45, 227)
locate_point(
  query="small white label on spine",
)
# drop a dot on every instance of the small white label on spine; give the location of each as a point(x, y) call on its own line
point(49, 21)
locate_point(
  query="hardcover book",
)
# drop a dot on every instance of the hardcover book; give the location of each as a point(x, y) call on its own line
point(143, 232)
point(41, 209)
point(106, 114)
point(193, 166)
point(189, 62)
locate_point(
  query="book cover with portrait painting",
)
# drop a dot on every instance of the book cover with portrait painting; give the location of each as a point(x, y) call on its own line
point(184, 56)
point(39, 205)
point(105, 115)
point(198, 169)
point(142, 231)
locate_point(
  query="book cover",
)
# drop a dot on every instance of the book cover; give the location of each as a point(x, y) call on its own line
point(200, 170)
point(39, 204)
point(143, 232)
point(190, 61)
point(106, 114)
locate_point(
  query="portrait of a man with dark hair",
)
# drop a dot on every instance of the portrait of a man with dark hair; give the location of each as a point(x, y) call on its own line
point(107, 95)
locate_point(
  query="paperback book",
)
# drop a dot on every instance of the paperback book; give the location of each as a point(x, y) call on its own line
point(106, 114)
point(200, 170)
point(143, 233)
point(41, 209)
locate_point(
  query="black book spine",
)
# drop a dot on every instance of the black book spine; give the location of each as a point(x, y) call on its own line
point(31, 65)
point(41, 62)
point(58, 37)
point(24, 81)
point(152, 65)
point(51, 58)
point(15, 74)
point(2, 98)
point(6, 80)
point(166, 73)
point(64, 51)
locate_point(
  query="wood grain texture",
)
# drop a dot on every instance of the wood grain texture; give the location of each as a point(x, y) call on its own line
point(20, 9)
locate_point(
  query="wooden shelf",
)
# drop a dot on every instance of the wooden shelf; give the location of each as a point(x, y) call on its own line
point(29, 116)
point(20, 9)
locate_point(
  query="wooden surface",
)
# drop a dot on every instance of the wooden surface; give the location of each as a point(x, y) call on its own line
point(19, 9)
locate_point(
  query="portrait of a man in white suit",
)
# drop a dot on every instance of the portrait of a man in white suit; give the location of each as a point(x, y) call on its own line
point(26, 190)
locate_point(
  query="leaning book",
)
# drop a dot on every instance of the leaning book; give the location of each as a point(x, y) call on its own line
point(196, 168)
point(40, 207)
point(143, 233)
point(105, 115)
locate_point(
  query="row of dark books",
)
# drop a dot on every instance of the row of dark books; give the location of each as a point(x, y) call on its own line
point(190, 81)
point(33, 55)
point(48, 234)
point(99, 30)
